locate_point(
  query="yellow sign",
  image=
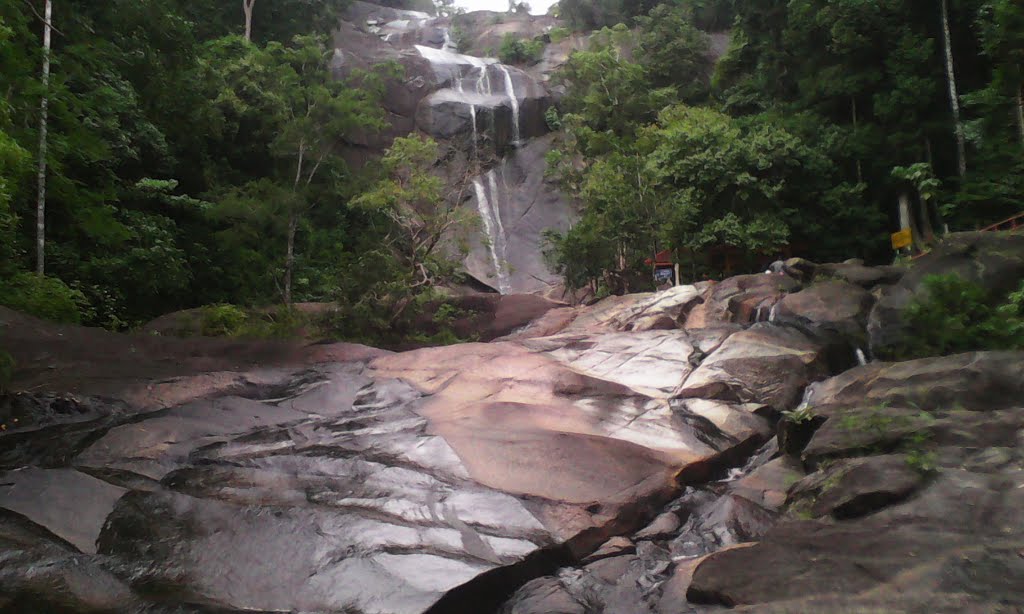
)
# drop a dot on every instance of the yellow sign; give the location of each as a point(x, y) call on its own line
point(902, 239)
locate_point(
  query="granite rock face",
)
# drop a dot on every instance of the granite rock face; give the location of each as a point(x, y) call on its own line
point(588, 464)
point(431, 480)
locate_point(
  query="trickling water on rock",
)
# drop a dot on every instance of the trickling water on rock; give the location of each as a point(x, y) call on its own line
point(486, 87)
point(488, 203)
point(510, 89)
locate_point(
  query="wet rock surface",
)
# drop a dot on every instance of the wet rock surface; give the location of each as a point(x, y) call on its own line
point(587, 462)
point(411, 482)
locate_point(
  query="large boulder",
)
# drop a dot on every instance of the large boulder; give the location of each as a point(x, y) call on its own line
point(655, 363)
point(838, 306)
point(743, 299)
point(976, 380)
point(993, 260)
point(925, 478)
point(856, 487)
point(766, 364)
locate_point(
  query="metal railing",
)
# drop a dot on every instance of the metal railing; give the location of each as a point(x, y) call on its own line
point(1012, 224)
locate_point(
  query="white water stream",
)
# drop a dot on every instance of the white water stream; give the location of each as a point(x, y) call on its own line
point(490, 214)
point(510, 90)
point(456, 67)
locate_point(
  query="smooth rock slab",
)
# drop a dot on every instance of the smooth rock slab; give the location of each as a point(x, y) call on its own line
point(70, 504)
point(764, 364)
point(653, 363)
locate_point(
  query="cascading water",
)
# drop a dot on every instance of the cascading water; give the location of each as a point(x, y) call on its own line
point(474, 84)
point(449, 45)
point(456, 68)
point(510, 89)
point(491, 217)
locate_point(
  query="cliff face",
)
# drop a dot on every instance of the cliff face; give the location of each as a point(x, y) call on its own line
point(490, 115)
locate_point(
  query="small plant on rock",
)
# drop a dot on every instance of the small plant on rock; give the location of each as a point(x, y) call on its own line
point(800, 415)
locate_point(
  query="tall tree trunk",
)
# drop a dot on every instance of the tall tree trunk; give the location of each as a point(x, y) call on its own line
point(853, 111)
point(954, 99)
point(247, 9)
point(1020, 111)
point(289, 259)
point(44, 108)
point(293, 224)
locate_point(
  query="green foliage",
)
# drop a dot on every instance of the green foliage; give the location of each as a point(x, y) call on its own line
point(520, 51)
point(674, 52)
point(558, 34)
point(44, 297)
point(269, 323)
point(173, 152)
point(411, 201)
point(222, 320)
point(799, 415)
point(954, 315)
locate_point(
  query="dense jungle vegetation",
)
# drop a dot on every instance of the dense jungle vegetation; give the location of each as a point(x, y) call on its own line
point(193, 159)
point(818, 119)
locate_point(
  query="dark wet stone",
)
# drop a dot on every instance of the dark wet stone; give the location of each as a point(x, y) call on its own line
point(39, 572)
point(543, 596)
point(856, 487)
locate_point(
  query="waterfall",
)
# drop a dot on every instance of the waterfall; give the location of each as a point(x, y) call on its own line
point(492, 225)
point(773, 314)
point(449, 45)
point(492, 179)
point(472, 108)
point(861, 358)
point(483, 82)
point(510, 89)
point(454, 68)
point(805, 403)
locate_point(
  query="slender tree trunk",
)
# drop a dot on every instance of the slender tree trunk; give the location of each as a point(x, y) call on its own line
point(926, 221)
point(44, 108)
point(289, 259)
point(853, 110)
point(293, 224)
point(247, 9)
point(1020, 111)
point(954, 99)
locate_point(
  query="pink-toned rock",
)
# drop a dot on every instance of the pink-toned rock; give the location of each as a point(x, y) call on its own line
point(742, 299)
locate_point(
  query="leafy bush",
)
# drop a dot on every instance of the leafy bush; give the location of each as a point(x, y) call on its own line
point(553, 120)
point(44, 297)
point(558, 35)
point(515, 50)
point(278, 323)
point(222, 320)
point(955, 315)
